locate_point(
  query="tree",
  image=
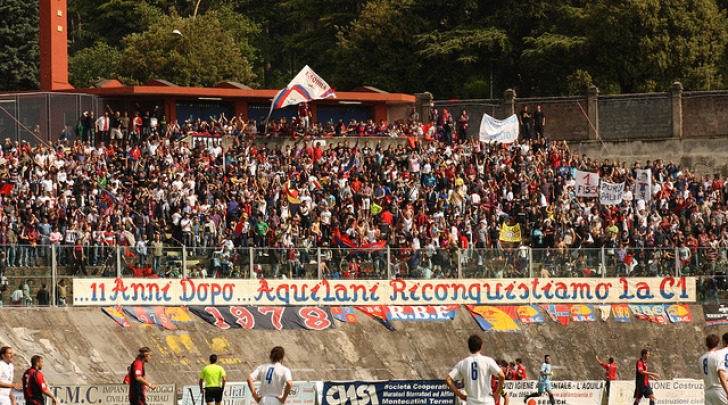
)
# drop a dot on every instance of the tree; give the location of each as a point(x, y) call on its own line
point(109, 22)
point(377, 48)
point(294, 33)
point(645, 45)
point(243, 31)
point(555, 58)
point(19, 45)
point(91, 65)
point(203, 55)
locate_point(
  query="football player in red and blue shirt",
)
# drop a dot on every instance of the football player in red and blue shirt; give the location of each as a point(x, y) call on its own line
point(642, 379)
point(137, 378)
point(34, 384)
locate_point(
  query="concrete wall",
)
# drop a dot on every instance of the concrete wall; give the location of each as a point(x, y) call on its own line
point(704, 114)
point(700, 156)
point(673, 114)
point(635, 116)
point(82, 345)
point(566, 118)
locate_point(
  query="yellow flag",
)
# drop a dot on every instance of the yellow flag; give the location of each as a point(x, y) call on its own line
point(510, 233)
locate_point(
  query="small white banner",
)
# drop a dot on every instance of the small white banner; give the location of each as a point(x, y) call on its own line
point(500, 131)
point(587, 184)
point(643, 187)
point(610, 193)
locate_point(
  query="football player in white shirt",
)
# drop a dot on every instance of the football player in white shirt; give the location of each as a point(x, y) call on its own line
point(7, 375)
point(275, 380)
point(713, 366)
point(476, 371)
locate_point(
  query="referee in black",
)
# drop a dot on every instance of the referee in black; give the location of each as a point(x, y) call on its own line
point(212, 381)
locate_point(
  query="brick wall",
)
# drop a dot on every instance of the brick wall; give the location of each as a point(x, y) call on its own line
point(566, 118)
point(476, 109)
point(704, 114)
point(643, 116)
point(674, 114)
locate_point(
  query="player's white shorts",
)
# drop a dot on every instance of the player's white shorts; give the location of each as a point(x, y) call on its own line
point(269, 401)
point(5, 400)
point(489, 400)
point(715, 396)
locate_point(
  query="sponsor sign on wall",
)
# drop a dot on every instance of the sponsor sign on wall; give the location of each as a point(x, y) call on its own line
point(565, 392)
point(425, 392)
point(237, 393)
point(216, 292)
point(672, 392)
point(108, 394)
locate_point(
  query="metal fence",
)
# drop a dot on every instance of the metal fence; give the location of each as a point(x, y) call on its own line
point(40, 117)
point(31, 269)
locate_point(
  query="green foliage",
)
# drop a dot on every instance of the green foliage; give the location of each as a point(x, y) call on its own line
point(91, 65)
point(19, 45)
point(242, 28)
point(476, 89)
point(448, 47)
point(294, 33)
point(203, 55)
point(578, 82)
point(111, 21)
point(645, 45)
point(377, 48)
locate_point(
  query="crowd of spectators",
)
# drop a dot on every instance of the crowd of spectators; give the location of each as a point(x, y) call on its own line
point(440, 126)
point(138, 185)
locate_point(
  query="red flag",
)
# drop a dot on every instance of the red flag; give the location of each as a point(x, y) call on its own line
point(129, 253)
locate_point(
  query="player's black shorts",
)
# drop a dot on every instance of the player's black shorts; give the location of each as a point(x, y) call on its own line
point(643, 392)
point(137, 401)
point(213, 394)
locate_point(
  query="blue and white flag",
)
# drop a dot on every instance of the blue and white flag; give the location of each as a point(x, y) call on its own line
point(500, 131)
point(306, 86)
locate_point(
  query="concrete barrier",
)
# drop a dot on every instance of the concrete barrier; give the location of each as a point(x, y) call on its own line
point(84, 346)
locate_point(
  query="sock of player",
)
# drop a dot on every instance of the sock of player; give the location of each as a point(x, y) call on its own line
point(552, 401)
point(652, 402)
point(525, 399)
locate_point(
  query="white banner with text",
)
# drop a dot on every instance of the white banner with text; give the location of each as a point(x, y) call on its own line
point(228, 292)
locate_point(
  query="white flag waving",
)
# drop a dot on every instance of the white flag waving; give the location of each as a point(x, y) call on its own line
point(587, 184)
point(501, 131)
point(306, 86)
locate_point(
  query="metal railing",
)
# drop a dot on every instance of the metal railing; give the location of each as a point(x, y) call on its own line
point(27, 268)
